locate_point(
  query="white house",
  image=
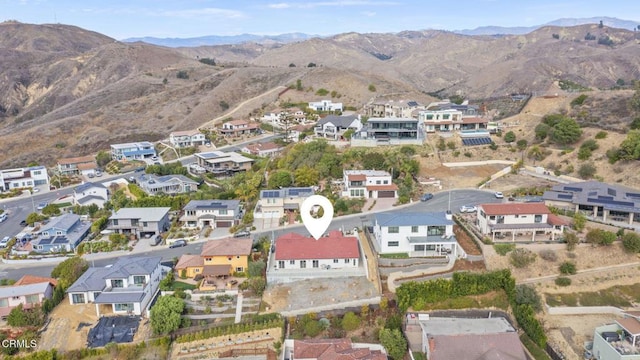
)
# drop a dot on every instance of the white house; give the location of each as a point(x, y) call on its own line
point(333, 127)
point(90, 193)
point(418, 234)
point(325, 105)
point(266, 149)
point(369, 184)
point(617, 341)
point(128, 286)
point(133, 151)
point(334, 251)
point(274, 204)
point(28, 177)
point(187, 138)
point(213, 213)
point(519, 218)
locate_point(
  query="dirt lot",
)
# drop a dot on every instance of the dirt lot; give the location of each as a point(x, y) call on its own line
point(63, 332)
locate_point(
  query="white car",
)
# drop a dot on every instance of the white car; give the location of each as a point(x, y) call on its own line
point(498, 195)
point(154, 158)
point(468, 209)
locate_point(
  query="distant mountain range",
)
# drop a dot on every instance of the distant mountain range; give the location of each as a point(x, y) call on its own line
point(295, 37)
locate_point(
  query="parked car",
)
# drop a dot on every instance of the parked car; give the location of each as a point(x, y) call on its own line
point(42, 205)
point(498, 195)
point(242, 233)
point(178, 243)
point(98, 173)
point(155, 240)
point(4, 242)
point(23, 223)
point(154, 158)
point(90, 175)
point(468, 209)
point(3, 216)
point(426, 197)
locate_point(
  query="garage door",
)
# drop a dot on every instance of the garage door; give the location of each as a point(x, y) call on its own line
point(223, 224)
point(386, 194)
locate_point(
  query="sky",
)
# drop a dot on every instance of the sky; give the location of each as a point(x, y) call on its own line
point(121, 19)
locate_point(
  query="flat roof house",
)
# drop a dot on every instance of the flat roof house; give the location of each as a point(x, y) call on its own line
point(127, 287)
point(83, 165)
point(133, 151)
point(62, 233)
point(389, 131)
point(90, 193)
point(28, 177)
point(166, 184)
point(325, 105)
point(497, 220)
point(140, 221)
point(213, 213)
point(369, 184)
point(187, 138)
point(417, 234)
point(600, 201)
point(223, 163)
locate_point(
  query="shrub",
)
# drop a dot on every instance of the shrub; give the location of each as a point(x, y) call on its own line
point(372, 88)
point(510, 137)
point(521, 258)
point(350, 321)
point(579, 100)
point(572, 240)
point(526, 294)
point(548, 255)
point(601, 135)
point(182, 74)
point(600, 237)
point(568, 268)
point(504, 249)
point(631, 242)
point(563, 281)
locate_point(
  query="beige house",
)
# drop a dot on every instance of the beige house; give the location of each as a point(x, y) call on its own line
point(275, 204)
point(236, 128)
point(83, 165)
point(223, 163)
point(507, 220)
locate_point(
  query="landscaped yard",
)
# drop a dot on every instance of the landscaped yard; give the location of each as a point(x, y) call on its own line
point(619, 296)
point(179, 285)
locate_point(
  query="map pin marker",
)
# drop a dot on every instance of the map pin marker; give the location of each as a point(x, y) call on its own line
point(316, 227)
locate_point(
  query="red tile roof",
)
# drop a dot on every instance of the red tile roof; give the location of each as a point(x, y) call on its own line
point(32, 279)
point(187, 261)
point(238, 122)
point(382, 187)
point(225, 247)
point(333, 349)
point(87, 166)
point(554, 219)
point(515, 209)
point(293, 246)
point(357, 177)
point(474, 120)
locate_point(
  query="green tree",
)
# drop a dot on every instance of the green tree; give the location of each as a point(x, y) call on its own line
point(350, 321)
point(521, 144)
point(635, 124)
point(103, 158)
point(587, 171)
point(167, 283)
point(630, 146)
point(567, 268)
point(542, 131)
point(51, 210)
point(299, 85)
point(394, 342)
point(373, 161)
point(579, 221)
point(256, 268)
point(68, 271)
point(182, 74)
point(348, 134)
point(306, 176)
point(526, 294)
point(165, 314)
point(280, 178)
point(631, 242)
point(372, 88)
point(322, 92)
point(572, 240)
point(510, 137)
point(566, 131)
point(312, 328)
point(536, 153)
point(34, 218)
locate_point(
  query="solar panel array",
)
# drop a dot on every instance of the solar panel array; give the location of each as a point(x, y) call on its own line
point(298, 191)
point(476, 141)
point(571, 188)
point(565, 196)
point(270, 194)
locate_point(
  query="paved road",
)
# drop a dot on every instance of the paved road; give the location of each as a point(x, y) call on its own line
point(440, 202)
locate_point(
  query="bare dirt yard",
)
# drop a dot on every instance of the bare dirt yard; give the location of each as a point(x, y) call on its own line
point(69, 327)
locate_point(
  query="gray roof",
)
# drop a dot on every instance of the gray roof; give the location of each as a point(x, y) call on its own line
point(391, 120)
point(88, 198)
point(88, 185)
point(431, 239)
point(212, 204)
point(119, 297)
point(178, 177)
point(143, 214)
point(64, 222)
point(460, 326)
point(289, 192)
point(91, 280)
point(21, 290)
point(595, 193)
point(338, 121)
point(412, 219)
point(127, 266)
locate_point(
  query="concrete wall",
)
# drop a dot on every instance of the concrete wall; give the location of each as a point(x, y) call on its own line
point(342, 305)
point(578, 310)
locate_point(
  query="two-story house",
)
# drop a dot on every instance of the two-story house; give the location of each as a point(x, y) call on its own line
point(29, 292)
point(368, 184)
point(417, 234)
point(90, 193)
point(126, 287)
point(266, 149)
point(28, 177)
point(325, 105)
point(140, 222)
point(617, 340)
point(499, 220)
point(333, 127)
point(167, 184)
point(223, 163)
point(133, 151)
point(83, 165)
point(187, 138)
point(218, 258)
point(275, 204)
point(62, 233)
point(441, 120)
point(389, 131)
point(212, 213)
point(235, 128)
point(393, 109)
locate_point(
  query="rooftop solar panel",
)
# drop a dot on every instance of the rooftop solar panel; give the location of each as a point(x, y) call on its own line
point(565, 196)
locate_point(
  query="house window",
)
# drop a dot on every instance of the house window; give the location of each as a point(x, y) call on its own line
point(429, 116)
point(114, 222)
point(139, 280)
point(357, 192)
point(537, 218)
point(414, 229)
point(237, 256)
point(346, 261)
point(335, 261)
point(223, 212)
point(207, 259)
point(436, 230)
point(117, 283)
point(281, 264)
point(303, 264)
point(229, 258)
point(59, 233)
point(378, 182)
point(393, 243)
point(315, 263)
point(134, 222)
point(32, 299)
point(123, 307)
point(386, 182)
point(239, 269)
point(292, 262)
point(500, 219)
point(144, 224)
point(4, 303)
point(77, 298)
point(394, 229)
point(196, 270)
point(492, 217)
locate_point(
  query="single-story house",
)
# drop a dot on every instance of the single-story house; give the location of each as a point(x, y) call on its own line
point(29, 291)
point(267, 149)
point(166, 184)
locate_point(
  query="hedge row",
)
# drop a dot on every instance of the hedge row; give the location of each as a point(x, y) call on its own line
point(231, 329)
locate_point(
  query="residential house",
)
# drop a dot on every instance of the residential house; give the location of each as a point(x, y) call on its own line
point(333, 127)
point(235, 128)
point(276, 204)
point(483, 338)
point(295, 132)
point(28, 177)
point(83, 165)
point(62, 233)
point(133, 151)
point(464, 107)
point(140, 222)
point(368, 184)
point(223, 163)
point(600, 201)
point(217, 258)
point(619, 340)
point(332, 349)
point(267, 149)
point(450, 120)
point(389, 131)
point(325, 105)
point(90, 193)
point(393, 109)
point(126, 287)
point(497, 220)
point(212, 213)
point(187, 138)
point(29, 291)
point(167, 184)
point(417, 234)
